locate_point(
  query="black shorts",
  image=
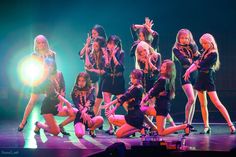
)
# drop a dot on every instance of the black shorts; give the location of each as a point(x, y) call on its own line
point(115, 86)
point(78, 119)
point(49, 106)
point(100, 89)
point(205, 81)
point(192, 80)
point(162, 107)
point(135, 118)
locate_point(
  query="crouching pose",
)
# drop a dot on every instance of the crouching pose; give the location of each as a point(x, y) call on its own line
point(164, 91)
point(133, 121)
point(83, 96)
point(52, 104)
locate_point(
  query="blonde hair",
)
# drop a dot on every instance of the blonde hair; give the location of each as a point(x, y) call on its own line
point(213, 49)
point(47, 50)
point(177, 43)
point(148, 49)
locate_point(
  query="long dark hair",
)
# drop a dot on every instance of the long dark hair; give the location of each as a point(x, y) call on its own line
point(116, 40)
point(147, 35)
point(88, 85)
point(100, 30)
point(170, 73)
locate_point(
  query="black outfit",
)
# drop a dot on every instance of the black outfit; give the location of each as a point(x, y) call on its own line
point(184, 53)
point(161, 92)
point(150, 77)
point(154, 44)
point(50, 102)
point(133, 96)
point(80, 100)
point(98, 62)
point(40, 89)
point(205, 80)
point(114, 81)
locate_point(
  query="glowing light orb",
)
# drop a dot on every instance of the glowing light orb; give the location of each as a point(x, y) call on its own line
point(31, 71)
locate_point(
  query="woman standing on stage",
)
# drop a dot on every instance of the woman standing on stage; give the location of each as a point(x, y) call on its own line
point(96, 31)
point(94, 65)
point(186, 52)
point(41, 52)
point(145, 33)
point(206, 65)
point(114, 82)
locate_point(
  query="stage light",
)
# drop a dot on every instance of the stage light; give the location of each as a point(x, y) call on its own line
point(31, 71)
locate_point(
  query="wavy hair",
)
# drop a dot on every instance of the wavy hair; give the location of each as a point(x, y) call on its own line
point(210, 39)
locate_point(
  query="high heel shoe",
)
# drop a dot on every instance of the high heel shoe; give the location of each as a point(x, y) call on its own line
point(133, 135)
point(187, 130)
point(206, 130)
point(62, 130)
point(232, 129)
point(20, 129)
point(110, 132)
point(92, 133)
point(193, 129)
point(36, 129)
point(101, 127)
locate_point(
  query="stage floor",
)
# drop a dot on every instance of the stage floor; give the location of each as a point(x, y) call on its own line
point(27, 143)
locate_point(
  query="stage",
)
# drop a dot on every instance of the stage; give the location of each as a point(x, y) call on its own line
point(27, 143)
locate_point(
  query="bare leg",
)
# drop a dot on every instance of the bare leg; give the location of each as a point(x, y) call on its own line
point(190, 106)
point(79, 129)
point(28, 109)
point(170, 119)
point(64, 113)
point(215, 100)
point(97, 106)
point(203, 103)
point(151, 104)
point(50, 125)
point(117, 120)
point(150, 123)
point(161, 120)
point(126, 130)
point(96, 122)
point(107, 99)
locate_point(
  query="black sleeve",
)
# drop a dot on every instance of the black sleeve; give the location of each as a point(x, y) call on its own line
point(208, 61)
point(182, 59)
point(62, 82)
point(194, 48)
point(158, 87)
point(155, 42)
point(91, 96)
point(158, 63)
point(133, 33)
point(120, 59)
point(129, 95)
point(74, 99)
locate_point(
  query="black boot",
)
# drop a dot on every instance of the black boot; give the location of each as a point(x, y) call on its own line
point(62, 130)
point(36, 129)
point(20, 129)
point(92, 133)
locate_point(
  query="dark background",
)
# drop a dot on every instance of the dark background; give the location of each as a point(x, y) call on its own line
point(66, 24)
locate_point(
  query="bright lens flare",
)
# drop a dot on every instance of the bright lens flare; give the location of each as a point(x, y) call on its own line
point(31, 71)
